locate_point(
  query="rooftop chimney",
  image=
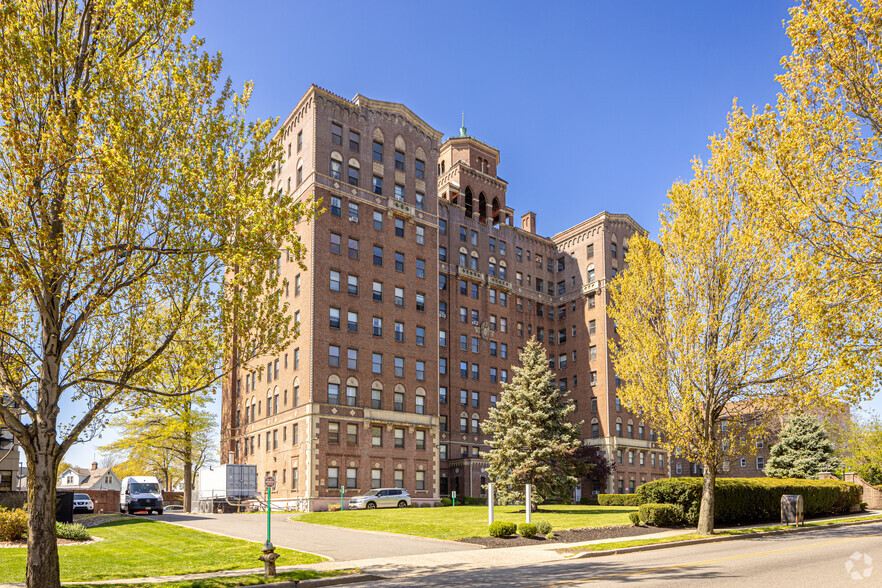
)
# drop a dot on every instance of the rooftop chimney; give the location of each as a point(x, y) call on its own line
point(528, 222)
point(94, 465)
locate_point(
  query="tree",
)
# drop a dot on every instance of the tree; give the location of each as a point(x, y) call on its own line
point(803, 450)
point(708, 327)
point(131, 182)
point(864, 454)
point(592, 464)
point(817, 156)
point(532, 440)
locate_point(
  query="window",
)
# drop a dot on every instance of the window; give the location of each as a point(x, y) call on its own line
point(420, 406)
point(333, 432)
point(333, 477)
point(442, 254)
point(333, 356)
point(679, 467)
point(475, 399)
point(353, 212)
point(399, 331)
point(421, 336)
point(442, 365)
point(352, 477)
point(475, 427)
point(399, 161)
point(613, 251)
point(376, 398)
point(442, 394)
point(378, 291)
point(592, 353)
point(352, 285)
point(420, 168)
point(464, 369)
point(443, 422)
point(592, 327)
point(378, 152)
point(421, 235)
point(335, 206)
point(353, 248)
point(494, 377)
point(399, 367)
point(354, 141)
point(399, 438)
point(399, 195)
point(299, 141)
point(462, 233)
point(352, 359)
point(463, 425)
point(376, 478)
point(503, 350)
point(399, 296)
point(377, 436)
point(474, 344)
point(377, 363)
point(743, 462)
point(474, 237)
point(442, 226)
point(352, 321)
point(631, 457)
point(378, 220)
point(336, 134)
point(399, 261)
point(475, 371)
point(335, 243)
point(377, 326)
point(595, 430)
point(399, 227)
point(398, 476)
point(378, 189)
point(378, 255)
point(760, 462)
point(593, 379)
point(335, 281)
point(493, 348)
point(421, 302)
point(334, 321)
point(421, 268)
point(297, 359)
point(420, 370)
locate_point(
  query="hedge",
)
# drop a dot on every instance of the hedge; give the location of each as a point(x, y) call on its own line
point(746, 500)
point(502, 529)
point(619, 500)
point(527, 530)
point(661, 515)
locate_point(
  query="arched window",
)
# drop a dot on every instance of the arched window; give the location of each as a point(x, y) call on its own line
point(468, 202)
point(351, 391)
point(482, 208)
point(474, 261)
point(336, 165)
point(420, 401)
point(377, 395)
point(590, 278)
point(618, 427)
point(353, 171)
point(595, 428)
point(495, 212)
point(502, 269)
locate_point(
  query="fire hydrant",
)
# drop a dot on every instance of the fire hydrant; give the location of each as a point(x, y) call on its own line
point(269, 558)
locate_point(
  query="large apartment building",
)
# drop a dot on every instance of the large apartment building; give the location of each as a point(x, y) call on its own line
point(419, 293)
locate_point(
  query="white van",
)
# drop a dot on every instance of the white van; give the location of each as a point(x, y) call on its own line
point(140, 493)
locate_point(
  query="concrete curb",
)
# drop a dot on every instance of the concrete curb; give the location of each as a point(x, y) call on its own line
point(315, 583)
point(670, 544)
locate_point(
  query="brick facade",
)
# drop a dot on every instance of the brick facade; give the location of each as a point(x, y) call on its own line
point(372, 390)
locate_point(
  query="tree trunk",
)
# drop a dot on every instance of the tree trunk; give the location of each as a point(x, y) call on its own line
point(42, 561)
point(188, 484)
point(706, 513)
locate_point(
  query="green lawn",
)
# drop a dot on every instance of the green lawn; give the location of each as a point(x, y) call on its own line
point(227, 582)
point(137, 547)
point(466, 521)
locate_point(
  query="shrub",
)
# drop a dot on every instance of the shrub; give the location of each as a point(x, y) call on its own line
point(13, 524)
point(588, 501)
point(550, 536)
point(446, 502)
point(334, 507)
point(72, 531)
point(660, 515)
point(619, 499)
point(864, 506)
point(527, 530)
point(635, 518)
point(543, 527)
point(502, 529)
point(745, 500)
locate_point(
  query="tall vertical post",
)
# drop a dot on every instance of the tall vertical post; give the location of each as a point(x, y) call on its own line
point(490, 498)
point(269, 509)
point(529, 501)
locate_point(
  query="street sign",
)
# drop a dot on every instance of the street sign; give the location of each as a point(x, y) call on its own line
point(270, 482)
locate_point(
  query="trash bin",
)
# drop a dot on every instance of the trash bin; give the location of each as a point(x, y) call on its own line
point(64, 507)
point(792, 509)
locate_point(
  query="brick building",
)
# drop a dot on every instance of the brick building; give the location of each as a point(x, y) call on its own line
point(419, 293)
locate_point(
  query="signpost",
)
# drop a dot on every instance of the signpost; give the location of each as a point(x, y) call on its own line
point(269, 555)
point(342, 490)
point(490, 498)
point(453, 496)
point(529, 501)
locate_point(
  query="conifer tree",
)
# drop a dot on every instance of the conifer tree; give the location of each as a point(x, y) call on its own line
point(803, 450)
point(532, 439)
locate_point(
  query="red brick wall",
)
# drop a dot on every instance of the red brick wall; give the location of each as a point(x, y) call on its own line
point(108, 500)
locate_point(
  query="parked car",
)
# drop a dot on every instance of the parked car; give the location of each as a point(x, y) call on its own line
point(82, 503)
point(381, 498)
point(140, 493)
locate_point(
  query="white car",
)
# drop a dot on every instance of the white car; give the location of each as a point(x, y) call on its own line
point(82, 503)
point(381, 498)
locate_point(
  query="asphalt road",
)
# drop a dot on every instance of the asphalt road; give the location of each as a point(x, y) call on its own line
point(335, 543)
point(826, 558)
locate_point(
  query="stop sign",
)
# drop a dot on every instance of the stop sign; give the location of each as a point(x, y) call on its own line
point(270, 482)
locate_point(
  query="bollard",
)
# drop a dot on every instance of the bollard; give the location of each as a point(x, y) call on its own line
point(529, 501)
point(490, 502)
point(269, 558)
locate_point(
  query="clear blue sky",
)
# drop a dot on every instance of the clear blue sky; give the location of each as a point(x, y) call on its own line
point(593, 105)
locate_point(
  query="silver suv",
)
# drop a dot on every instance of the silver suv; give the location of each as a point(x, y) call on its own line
point(381, 498)
point(83, 503)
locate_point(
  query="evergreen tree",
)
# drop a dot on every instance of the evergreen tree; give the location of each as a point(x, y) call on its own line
point(532, 439)
point(803, 450)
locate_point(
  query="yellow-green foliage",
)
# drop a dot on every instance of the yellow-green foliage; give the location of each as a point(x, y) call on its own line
point(618, 500)
point(13, 524)
point(661, 515)
point(744, 500)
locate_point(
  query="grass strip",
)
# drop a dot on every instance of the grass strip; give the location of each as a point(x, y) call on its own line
point(225, 582)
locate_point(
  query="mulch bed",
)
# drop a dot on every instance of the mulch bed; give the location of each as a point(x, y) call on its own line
point(24, 543)
point(565, 536)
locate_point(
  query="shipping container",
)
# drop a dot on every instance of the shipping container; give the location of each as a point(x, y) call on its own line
point(236, 481)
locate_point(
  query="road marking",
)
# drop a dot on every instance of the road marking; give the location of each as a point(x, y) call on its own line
point(704, 562)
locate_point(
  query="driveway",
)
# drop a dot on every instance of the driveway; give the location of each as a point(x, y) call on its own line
point(332, 542)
